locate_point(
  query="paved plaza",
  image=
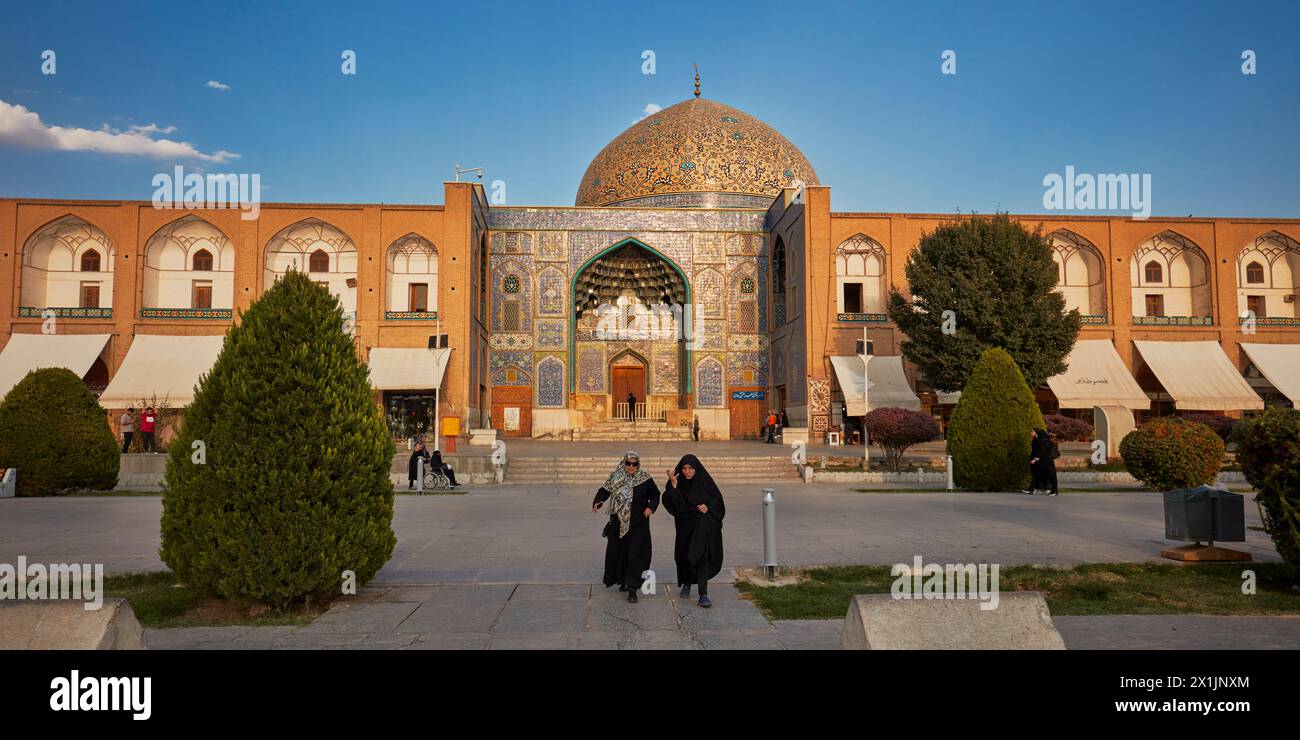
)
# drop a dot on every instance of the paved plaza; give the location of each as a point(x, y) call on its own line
point(519, 567)
point(518, 534)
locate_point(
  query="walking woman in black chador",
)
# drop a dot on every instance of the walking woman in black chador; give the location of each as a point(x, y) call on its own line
point(633, 497)
point(695, 502)
point(1042, 462)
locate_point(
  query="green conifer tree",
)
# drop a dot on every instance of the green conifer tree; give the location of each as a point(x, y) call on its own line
point(988, 434)
point(278, 481)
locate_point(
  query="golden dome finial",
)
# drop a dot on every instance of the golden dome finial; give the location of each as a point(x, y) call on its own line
point(697, 80)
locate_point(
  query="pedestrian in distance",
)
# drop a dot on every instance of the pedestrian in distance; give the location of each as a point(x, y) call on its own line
point(148, 424)
point(127, 424)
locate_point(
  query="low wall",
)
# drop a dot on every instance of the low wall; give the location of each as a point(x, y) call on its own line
point(68, 625)
point(144, 472)
point(812, 474)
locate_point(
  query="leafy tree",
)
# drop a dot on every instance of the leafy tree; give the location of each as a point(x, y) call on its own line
point(998, 279)
point(1268, 448)
point(278, 481)
point(988, 434)
point(894, 430)
point(57, 436)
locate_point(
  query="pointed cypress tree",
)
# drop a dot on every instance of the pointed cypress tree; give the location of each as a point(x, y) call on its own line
point(988, 434)
point(278, 481)
point(999, 280)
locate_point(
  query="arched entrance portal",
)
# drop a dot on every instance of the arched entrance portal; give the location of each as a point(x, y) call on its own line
point(629, 306)
point(627, 382)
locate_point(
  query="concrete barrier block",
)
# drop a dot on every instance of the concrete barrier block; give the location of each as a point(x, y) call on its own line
point(67, 625)
point(1021, 621)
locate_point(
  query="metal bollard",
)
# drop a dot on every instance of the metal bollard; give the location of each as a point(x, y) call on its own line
point(951, 485)
point(419, 476)
point(769, 533)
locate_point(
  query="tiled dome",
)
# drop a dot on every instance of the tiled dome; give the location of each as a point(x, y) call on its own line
point(696, 146)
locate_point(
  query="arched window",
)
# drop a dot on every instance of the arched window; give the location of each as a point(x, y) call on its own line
point(203, 261)
point(1154, 274)
point(319, 261)
point(1255, 273)
point(90, 261)
point(778, 268)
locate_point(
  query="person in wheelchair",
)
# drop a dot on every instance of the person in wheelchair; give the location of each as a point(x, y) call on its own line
point(435, 461)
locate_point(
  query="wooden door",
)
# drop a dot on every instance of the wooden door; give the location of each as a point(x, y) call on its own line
point(90, 295)
point(747, 418)
point(626, 380)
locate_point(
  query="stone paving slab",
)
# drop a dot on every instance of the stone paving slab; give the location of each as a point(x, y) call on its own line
point(1179, 632)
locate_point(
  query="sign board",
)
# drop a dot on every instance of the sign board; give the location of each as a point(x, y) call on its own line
point(748, 395)
point(512, 418)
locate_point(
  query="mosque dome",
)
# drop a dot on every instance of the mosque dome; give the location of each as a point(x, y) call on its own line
point(695, 153)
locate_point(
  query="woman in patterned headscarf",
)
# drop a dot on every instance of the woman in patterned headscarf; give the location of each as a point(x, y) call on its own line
point(633, 497)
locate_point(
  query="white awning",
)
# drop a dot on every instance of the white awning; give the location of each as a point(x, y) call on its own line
point(163, 366)
point(27, 352)
point(887, 384)
point(870, 382)
point(401, 369)
point(1280, 364)
point(852, 375)
point(1095, 376)
point(1199, 376)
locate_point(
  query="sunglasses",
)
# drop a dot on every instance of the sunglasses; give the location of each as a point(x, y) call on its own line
point(633, 463)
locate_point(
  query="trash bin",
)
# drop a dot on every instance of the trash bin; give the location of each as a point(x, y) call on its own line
point(1229, 516)
point(1189, 514)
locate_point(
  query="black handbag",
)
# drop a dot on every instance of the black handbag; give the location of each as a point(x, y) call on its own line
point(606, 532)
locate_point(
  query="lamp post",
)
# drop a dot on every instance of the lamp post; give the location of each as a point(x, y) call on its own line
point(437, 392)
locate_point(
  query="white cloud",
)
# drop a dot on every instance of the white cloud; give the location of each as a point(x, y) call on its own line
point(24, 128)
point(152, 128)
point(223, 87)
point(649, 110)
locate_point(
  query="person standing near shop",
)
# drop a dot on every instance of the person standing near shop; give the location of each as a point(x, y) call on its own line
point(148, 423)
point(127, 424)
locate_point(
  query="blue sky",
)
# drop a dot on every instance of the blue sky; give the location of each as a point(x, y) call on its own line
point(531, 91)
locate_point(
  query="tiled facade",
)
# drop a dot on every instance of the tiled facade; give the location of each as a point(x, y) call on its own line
point(764, 274)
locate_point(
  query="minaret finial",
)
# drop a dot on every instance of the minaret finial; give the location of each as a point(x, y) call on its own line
point(697, 80)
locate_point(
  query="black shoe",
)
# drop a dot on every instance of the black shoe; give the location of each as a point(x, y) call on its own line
point(686, 591)
point(1053, 493)
point(704, 601)
point(631, 596)
point(622, 588)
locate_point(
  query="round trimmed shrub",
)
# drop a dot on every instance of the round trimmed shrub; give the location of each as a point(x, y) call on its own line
point(278, 482)
point(1170, 453)
point(1222, 425)
point(1068, 428)
point(988, 434)
point(57, 436)
point(895, 429)
point(1268, 449)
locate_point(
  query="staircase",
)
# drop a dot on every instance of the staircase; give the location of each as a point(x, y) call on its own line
point(594, 470)
point(615, 430)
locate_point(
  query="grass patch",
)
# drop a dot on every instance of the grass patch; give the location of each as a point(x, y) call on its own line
point(159, 601)
point(101, 494)
point(1094, 588)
